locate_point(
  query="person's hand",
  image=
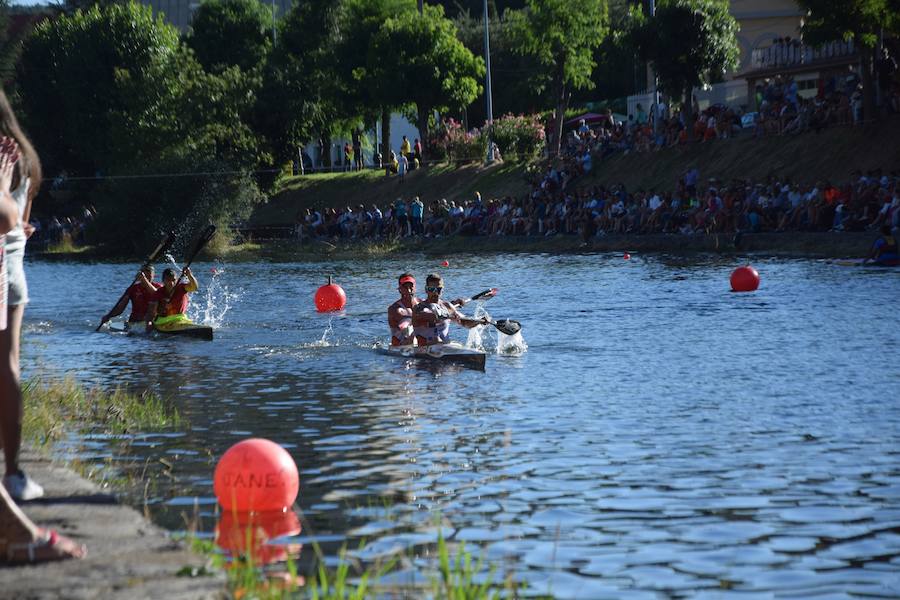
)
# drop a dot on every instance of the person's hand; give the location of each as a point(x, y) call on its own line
point(459, 301)
point(186, 271)
point(29, 229)
point(9, 155)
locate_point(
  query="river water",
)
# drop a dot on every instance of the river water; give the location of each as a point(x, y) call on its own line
point(660, 436)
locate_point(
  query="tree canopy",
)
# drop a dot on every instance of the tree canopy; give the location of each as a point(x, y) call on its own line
point(227, 33)
point(689, 43)
point(561, 36)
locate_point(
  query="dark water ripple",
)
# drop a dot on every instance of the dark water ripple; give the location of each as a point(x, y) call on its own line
point(661, 437)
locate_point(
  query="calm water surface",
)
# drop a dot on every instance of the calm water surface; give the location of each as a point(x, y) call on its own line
point(660, 437)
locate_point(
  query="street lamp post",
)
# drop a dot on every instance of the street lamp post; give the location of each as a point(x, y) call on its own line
point(655, 90)
point(487, 83)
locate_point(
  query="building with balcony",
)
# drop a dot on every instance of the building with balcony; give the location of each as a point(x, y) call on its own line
point(770, 46)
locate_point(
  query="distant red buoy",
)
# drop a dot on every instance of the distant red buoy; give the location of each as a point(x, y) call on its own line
point(330, 297)
point(626, 256)
point(744, 279)
point(446, 263)
point(256, 475)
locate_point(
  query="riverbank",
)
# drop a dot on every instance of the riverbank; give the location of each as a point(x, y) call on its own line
point(788, 244)
point(830, 155)
point(128, 557)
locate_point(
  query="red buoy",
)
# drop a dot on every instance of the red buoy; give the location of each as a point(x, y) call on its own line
point(330, 297)
point(626, 256)
point(256, 475)
point(744, 279)
point(446, 263)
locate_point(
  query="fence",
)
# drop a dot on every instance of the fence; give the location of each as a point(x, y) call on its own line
point(793, 53)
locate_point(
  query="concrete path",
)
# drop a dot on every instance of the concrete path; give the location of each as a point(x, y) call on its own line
point(128, 557)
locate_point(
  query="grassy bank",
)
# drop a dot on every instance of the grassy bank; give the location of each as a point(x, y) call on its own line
point(793, 244)
point(458, 575)
point(54, 409)
point(808, 157)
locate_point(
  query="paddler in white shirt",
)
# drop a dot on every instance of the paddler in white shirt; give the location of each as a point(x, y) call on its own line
point(432, 316)
point(400, 313)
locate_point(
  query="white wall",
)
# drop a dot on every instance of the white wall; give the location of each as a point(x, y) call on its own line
point(399, 127)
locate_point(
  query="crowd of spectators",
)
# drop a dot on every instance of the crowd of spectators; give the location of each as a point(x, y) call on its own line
point(778, 107)
point(53, 229)
point(556, 206)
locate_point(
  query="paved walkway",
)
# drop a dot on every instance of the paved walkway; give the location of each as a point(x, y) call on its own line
point(128, 557)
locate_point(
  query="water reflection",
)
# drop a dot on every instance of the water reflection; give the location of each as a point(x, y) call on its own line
point(660, 437)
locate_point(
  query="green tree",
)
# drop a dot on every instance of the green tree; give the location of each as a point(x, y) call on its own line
point(516, 86)
point(364, 73)
point(228, 33)
point(859, 20)
point(298, 98)
point(561, 35)
point(112, 91)
point(427, 65)
point(689, 43)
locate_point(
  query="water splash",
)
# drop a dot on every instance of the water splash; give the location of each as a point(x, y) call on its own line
point(171, 260)
point(213, 302)
point(514, 345)
point(489, 339)
point(323, 342)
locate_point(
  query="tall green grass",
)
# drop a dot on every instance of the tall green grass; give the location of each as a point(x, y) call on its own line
point(457, 576)
point(54, 408)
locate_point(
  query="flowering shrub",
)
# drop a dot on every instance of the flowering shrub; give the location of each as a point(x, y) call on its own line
point(458, 144)
point(518, 137)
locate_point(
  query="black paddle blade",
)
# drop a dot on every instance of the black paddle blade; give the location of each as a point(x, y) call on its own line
point(508, 326)
point(486, 294)
point(163, 247)
point(205, 235)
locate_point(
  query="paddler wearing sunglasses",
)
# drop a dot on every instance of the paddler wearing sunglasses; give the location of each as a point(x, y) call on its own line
point(432, 316)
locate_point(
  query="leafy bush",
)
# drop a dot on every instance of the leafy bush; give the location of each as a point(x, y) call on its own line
point(457, 144)
point(518, 137)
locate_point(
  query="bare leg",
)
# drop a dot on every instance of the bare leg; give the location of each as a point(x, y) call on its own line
point(10, 392)
point(23, 541)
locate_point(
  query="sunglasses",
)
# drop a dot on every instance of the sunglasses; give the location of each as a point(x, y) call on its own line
point(431, 288)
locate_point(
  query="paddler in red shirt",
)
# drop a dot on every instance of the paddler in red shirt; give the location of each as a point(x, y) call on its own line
point(143, 301)
point(172, 297)
point(400, 312)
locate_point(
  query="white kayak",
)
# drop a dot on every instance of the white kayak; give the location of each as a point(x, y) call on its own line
point(449, 353)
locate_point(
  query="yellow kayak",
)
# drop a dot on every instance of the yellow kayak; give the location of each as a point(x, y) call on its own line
point(181, 325)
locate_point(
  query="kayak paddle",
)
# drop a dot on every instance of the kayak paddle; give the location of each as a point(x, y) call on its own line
point(201, 242)
point(485, 295)
point(159, 251)
point(506, 326)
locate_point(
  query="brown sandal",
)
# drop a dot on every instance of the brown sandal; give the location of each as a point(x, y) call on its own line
point(49, 546)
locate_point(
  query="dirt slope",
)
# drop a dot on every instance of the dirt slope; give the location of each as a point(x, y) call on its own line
point(829, 155)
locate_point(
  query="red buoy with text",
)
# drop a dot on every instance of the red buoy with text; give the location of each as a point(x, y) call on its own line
point(256, 475)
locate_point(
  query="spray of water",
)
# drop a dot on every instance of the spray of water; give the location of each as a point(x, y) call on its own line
point(487, 338)
point(323, 342)
point(210, 306)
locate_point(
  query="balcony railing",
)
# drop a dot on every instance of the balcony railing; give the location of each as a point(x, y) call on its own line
point(789, 53)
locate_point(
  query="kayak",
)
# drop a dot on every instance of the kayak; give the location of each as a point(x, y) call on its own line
point(181, 325)
point(867, 263)
point(449, 353)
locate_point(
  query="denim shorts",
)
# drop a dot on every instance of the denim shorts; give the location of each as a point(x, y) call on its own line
point(15, 276)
